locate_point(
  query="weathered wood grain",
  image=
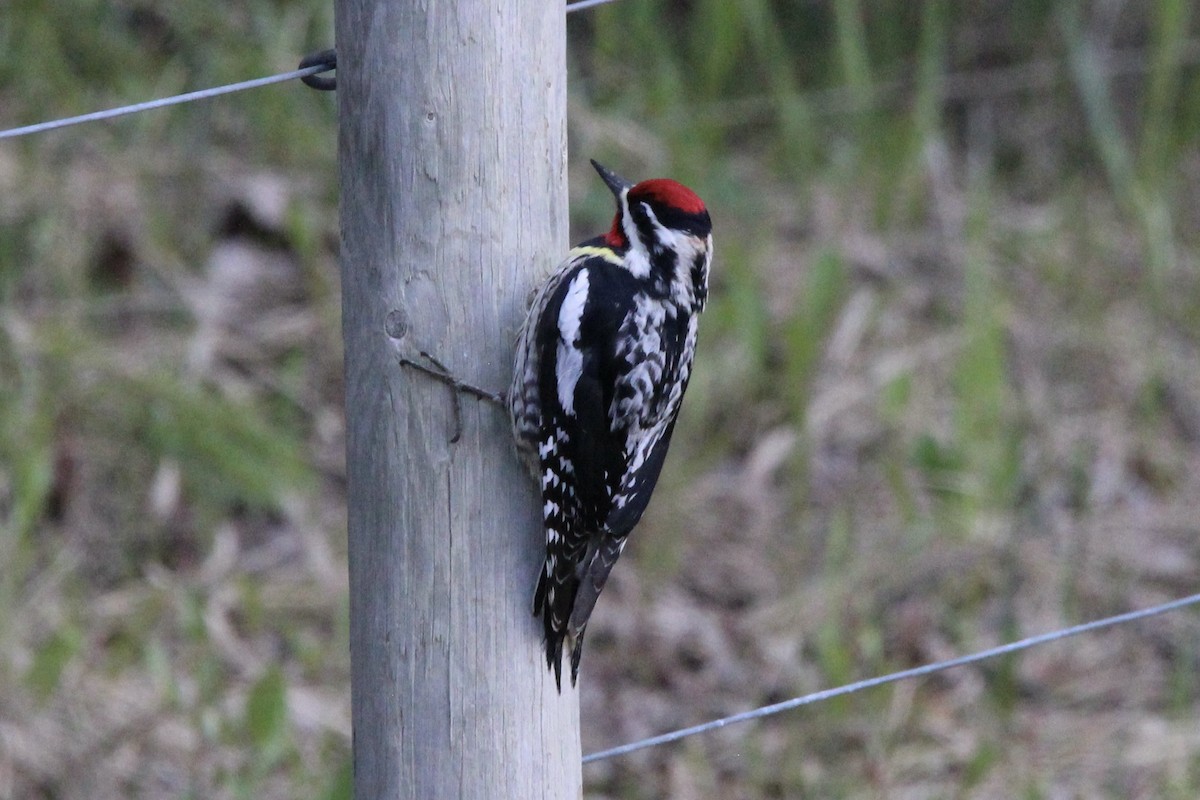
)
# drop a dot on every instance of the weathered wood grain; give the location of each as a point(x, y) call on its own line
point(453, 203)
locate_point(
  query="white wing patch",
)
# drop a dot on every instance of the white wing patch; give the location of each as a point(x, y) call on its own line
point(569, 364)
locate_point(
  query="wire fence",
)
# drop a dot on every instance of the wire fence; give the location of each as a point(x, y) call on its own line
point(1125, 64)
point(204, 94)
point(894, 677)
point(149, 105)
point(954, 86)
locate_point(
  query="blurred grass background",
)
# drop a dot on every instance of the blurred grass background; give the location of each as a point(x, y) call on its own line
point(947, 395)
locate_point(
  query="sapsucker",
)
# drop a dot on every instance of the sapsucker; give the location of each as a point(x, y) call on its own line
point(602, 363)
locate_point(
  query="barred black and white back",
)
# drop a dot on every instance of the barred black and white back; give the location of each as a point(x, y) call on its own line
point(602, 363)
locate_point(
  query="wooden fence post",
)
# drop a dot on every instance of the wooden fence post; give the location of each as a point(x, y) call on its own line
point(453, 203)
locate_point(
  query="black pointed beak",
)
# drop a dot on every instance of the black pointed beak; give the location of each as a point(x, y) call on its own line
point(616, 184)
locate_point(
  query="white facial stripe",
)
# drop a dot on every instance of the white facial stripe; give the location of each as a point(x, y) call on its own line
point(662, 234)
point(569, 365)
point(636, 260)
point(687, 246)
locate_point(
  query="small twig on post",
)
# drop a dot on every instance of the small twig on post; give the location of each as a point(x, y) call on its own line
point(439, 372)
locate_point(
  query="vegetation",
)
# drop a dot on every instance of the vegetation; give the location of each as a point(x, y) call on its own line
point(947, 395)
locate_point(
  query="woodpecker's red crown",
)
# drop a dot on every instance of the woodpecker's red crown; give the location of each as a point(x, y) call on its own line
point(674, 205)
point(667, 193)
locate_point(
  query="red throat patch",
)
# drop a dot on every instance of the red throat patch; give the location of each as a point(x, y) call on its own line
point(615, 238)
point(667, 192)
